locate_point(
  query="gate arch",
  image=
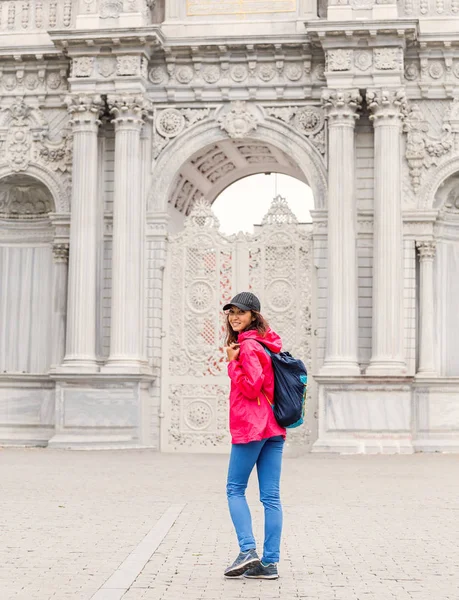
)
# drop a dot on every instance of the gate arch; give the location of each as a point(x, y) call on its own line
point(271, 131)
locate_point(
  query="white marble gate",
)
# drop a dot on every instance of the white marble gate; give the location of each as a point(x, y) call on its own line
point(204, 270)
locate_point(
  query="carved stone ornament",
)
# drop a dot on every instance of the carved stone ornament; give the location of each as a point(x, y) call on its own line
point(293, 71)
point(422, 150)
point(61, 253)
point(157, 75)
point(426, 250)
point(387, 59)
point(111, 9)
point(363, 60)
point(238, 121)
point(339, 60)
point(84, 108)
point(211, 74)
point(106, 65)
point(184, 74)
point(341, 103)
point(170, 122)
point(127, 108)
point(22, 198)
point(279, 213)
point(307, 120)
point(411, 72)
point(436, 69)
point(386, 103)
point(128, 65)
point(19, 137)
point(239, 73)
point(83, 66)
point(266, 72)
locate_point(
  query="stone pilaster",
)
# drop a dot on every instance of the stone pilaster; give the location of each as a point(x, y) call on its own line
point(126, 343)
point(61, 257)
point(81, 312)
point(387, 107)
point(341, 346)
point(426, 366)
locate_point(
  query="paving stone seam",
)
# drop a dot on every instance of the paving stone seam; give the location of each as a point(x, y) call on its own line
point(124, 576)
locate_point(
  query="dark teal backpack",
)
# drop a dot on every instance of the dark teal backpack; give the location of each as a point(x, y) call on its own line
point(290, 387)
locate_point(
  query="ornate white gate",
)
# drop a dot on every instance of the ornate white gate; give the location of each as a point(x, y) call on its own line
point(204, 270)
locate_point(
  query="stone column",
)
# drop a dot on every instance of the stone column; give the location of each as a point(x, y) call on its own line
point(387, 358)
point(61, 256)
point(341, 346)
point(126, 342)
point(81, 314)
point(426, 304)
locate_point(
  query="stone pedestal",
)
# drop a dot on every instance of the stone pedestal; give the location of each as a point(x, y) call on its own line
point(127, 327)
point(81, 314)
point(341, 346)
point(426, 301)
point(388, 337)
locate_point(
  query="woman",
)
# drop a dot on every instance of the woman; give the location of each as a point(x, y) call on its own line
point(256, 436)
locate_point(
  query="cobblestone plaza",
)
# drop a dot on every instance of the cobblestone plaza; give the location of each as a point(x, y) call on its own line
point(140, 525)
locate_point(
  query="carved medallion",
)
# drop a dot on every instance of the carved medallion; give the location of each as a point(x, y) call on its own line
point(266, 72)
point(239, 73)
point(157, 75)
point(9, 82)
point(309, 120)
point(127, 65)
point(53, 81)
point(211, 73)
point(169, 122)
point(411, 72)
point(198, 415)
point(386, 59)
point(293, 72)
point(436, 69)
point(363, 60)
point(184, 74)
point(31, 81)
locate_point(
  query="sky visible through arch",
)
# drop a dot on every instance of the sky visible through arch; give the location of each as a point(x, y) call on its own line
point(245, 202)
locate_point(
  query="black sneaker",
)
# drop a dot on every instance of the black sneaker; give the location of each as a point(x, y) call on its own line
point(262, 571)
point(244, 561)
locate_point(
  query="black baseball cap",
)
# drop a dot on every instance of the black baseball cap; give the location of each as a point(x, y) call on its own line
point(244, 301)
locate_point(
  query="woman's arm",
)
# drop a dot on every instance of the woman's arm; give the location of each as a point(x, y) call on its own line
point(247, 372)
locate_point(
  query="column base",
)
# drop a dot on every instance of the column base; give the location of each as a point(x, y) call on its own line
point(427, 374)
point(382, 368)
point(120, 366)
point(337, 368)
point(77, 365)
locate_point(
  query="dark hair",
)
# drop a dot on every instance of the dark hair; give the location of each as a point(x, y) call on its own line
point(259, 324)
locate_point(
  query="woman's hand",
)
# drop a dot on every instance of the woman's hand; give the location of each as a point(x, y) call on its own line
point(232, 351)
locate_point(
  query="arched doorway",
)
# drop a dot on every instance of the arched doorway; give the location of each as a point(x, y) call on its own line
point(205, 268)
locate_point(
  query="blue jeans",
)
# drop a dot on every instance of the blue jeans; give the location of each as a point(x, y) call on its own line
point(267, 455)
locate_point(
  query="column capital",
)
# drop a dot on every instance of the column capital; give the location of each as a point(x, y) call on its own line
point(386, 104)
point(342, 106)
point(85, 110)
point(61, 253)
point(128, 109)
point(426, 249)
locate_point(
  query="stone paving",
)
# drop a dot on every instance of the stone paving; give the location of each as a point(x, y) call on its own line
point(356, 527)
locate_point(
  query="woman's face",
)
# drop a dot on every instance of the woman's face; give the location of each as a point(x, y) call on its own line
point(239, 319)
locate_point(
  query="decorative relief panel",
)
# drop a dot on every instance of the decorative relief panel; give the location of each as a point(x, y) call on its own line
point(36, 15)
point(170, 122)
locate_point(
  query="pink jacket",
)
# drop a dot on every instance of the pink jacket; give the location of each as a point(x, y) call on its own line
point(251, 417)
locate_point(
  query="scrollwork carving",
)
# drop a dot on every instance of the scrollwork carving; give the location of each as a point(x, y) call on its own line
point(239, 120)
point(307, 120)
